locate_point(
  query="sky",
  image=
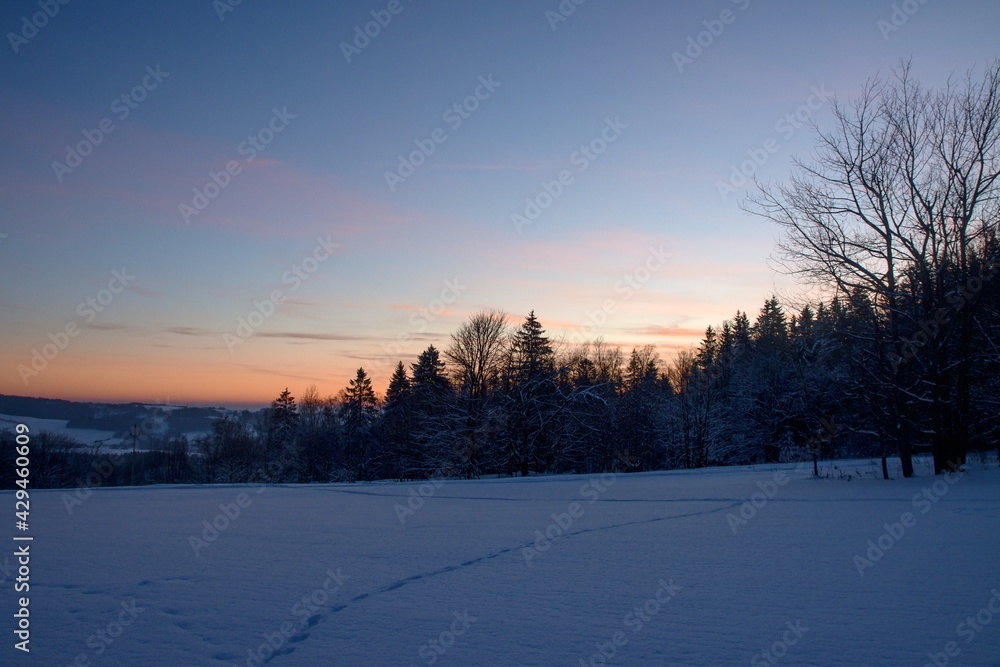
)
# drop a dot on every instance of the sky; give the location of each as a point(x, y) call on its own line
point(205, 202)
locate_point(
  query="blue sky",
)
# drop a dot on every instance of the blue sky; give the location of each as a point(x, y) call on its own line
point(168, 333)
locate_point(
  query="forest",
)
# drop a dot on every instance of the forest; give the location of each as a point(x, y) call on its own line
point(891, 226)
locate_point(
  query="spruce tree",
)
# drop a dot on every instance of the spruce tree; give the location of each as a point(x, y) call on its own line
point(532, 352)
point(531, 398)
point(434, 424)
point(399, 386)
point(360, 401)
point(284, 420)
point(401, 459)
point(429, 372)
point(358, 412)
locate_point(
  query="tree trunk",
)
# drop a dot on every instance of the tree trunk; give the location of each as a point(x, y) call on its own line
point(963, 390)
point(941, 418)
point(901, 428)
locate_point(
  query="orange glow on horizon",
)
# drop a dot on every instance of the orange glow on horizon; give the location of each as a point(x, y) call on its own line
point(253, 380)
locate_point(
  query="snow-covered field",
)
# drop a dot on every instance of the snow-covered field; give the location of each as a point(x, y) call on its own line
point(86, 436)
point(747, 566)
point(155, 423)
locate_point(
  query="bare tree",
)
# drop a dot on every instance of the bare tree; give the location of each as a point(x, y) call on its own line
point(950, 149)
point(889, 211)
point(478, 351)
point(692, 409)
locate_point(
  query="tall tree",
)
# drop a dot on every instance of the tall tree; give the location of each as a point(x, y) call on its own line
point(478, 353)
point(532, 399)
point(433, 411)
point(401, 458)
point(319, 440)
point(399, 386)
point(283, 423)
point(900, 188)
point(532, 352)
point(358, 411)
point(429, 372)
point(641, 411)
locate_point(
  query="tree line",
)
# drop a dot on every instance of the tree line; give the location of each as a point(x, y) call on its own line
point(503, 400)
point(892, 223)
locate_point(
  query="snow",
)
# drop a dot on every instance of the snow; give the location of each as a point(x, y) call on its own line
point(85, 436)
point(106, 441)
point(656, 568)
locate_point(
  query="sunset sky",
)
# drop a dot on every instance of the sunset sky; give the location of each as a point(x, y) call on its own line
point(120, 252)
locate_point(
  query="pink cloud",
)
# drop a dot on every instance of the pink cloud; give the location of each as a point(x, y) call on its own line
point(156, 170)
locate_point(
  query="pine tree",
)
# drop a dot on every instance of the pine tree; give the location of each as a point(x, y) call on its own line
point(359, 400)
point(771, 382)
point(532, 352)
point(640, 409)
point(771, 327)
point(642, 370)
point(399, 386)
point(530, 399)
point(284, 420)
point(429, 374)
point(803, 326)
point(358, 413)
point(708, 350)
point(741, 332)
point(401, 458)
point(434, 421)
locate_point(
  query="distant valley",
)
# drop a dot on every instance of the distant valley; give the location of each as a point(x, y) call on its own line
point(107, 425)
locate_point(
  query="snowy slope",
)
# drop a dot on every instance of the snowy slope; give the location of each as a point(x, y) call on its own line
point(107, 424)
point(651, 569)
point(85, 436)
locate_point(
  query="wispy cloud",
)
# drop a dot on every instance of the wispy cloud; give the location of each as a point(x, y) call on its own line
point(110, 326)
point(293, 335)
point(665, 331)
point(188, 331)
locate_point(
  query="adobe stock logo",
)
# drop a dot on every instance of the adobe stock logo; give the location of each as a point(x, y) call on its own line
point(223, 7)
point(38, 20)
point(562, 13)
point(698, 44)
point(363, 36)
point(901, 14)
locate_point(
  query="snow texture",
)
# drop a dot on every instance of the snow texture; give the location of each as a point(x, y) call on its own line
point(674, 568)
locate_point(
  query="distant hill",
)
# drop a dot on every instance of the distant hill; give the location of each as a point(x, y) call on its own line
point(105, 423)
